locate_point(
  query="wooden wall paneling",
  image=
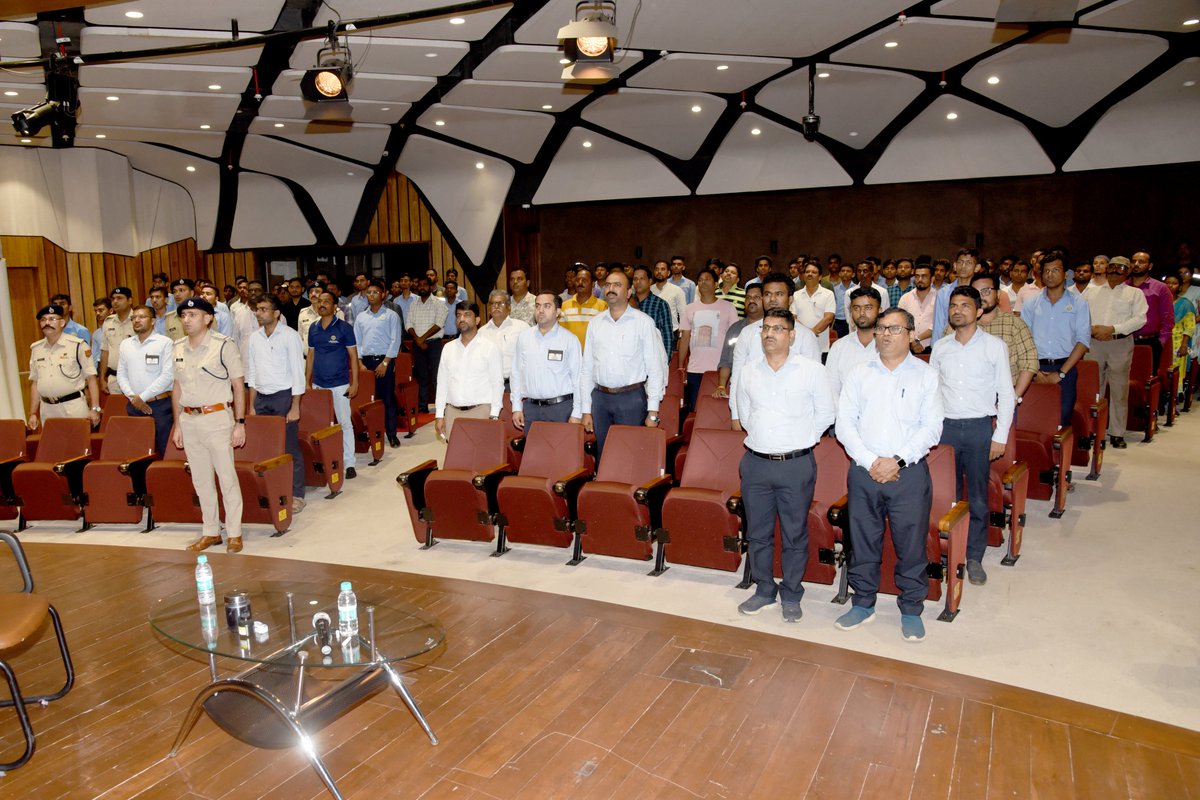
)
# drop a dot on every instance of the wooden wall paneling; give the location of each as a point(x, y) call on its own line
point(414, 214)
point(426, 221)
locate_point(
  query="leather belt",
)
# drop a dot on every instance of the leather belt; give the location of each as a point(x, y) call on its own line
point(65, 398)
point(197, 410)
point(621, 389)
point(110, 372)
point(464, 408)
point(780, 456)
point(551, 401)
point(1120, 335)
point(158, 397)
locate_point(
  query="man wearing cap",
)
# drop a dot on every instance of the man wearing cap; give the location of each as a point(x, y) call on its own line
point(117, 328)
point(181, 290)
point(146, 373)
point(209, 400)
point(60, 369)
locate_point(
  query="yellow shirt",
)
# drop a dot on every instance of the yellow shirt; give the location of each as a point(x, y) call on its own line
point(576, 315)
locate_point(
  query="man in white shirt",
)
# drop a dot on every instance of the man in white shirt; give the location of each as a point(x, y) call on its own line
point(545, 369)
point(146, 374)
point(978, 401)
point(470, 382)
point(1026, 291)
point(786, 406)
point(1118, 312)
point(426, 319)
point(623, 373)
point(919, 302)
point(889, 416)
point(502, 330)
point(858, 346)
point(275, 377)
point(865, 275)
point(1081, 278)
point(671, 294)
point(813, 305)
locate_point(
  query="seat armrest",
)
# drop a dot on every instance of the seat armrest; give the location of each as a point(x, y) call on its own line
point(517, 444)
point(11, 462)
point(77, 462)
point(488, 482)
point(133, 463)
point(734, 504)
point(651, 494)
point(272, 463)
point(837, 515)
point(419, 472)
point(325, 433)
point(1063, 436)
point(569, 487)
point(953, 517)
point(1013, 474)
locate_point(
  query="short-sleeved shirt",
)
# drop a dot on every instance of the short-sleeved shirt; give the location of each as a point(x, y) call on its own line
point(708, 323)
point(331, 363)
point(577, 315)
point(115, 332)
point(736, 295)
point(205, 373)
point(811, 309)
point(62, 367)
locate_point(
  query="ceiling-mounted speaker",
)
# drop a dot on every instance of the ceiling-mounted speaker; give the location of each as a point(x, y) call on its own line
point(1023, 11)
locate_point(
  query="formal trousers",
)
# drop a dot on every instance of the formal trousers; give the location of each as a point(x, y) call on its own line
point(277, 404)
point(209, 451)
point(780, 490)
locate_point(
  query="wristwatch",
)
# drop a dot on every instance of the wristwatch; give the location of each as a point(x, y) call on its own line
point(654, 418)
point(97, 409)
point(900, 462)
point(1062, 376)
point(241, 421)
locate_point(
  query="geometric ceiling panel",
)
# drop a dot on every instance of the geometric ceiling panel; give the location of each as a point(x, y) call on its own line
point(28, 75)
point(673, 122)
point(1146, 15)
point(522, 62)
point(140, 108)
point(854, 103)
point(474, 26)
point(205, 143)
point(590, 166)
point(357, 141)
point(696, 72)
point(466, 189)
point(516, 134)
point(18, 40)
point(515, 94)
point(176, 77)
point(1156, 125)
point(366, 86)
point(762, 156)
point(925, 45)
point(278, 106)
point(123, 40)
point(214, 14)
point(267, 215)
point(975, 143)
point(787, 28)
point(22, 95)
point(388, 56)
point(985, 9)
point(1055, 82)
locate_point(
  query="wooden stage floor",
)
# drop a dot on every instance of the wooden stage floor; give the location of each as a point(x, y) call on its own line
point(537, 696)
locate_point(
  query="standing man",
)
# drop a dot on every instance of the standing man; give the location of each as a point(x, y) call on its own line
point(1118, 312)
point(889, 282)
point(1008, 327)
point(101, 308)
point(522, 301)
point(451, 297)
point(1160, 307)
point(358, 300)
point(426, 317)
point(117, 328)
point(754, 313)
point(669, 292)
point(401, 291)
point(843, 277)
point(582, 307)
point(813, 306)
point(762, 268)
point(181, 290)
point(62, 375)
point(705, 323)
point(1082, 278)
point(378, 334)
point(904, 275)
point(158, 304)
point(1027, 291)
point(786, 406)
point(622, 377)
point(502, 330)
point(854, 348)
point(1062, 330)
point(653, 306)
point(332, 363)
point(470, 381)
point(681, 281)
point(889, 416)
point(309, 314)
point(208, 381)
point(275, 375)
point(919, 302)
point(729, 289)
point(966, 261)
point(146, 373)
point(865, 273)
point(978, 402)
point(161, 280)
point(545, 369)
point(72, 327)
point(224, 321)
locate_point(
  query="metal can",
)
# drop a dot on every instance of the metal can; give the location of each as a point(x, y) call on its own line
point(237, 612)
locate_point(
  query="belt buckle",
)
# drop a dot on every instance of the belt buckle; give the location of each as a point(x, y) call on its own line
point(777, 456)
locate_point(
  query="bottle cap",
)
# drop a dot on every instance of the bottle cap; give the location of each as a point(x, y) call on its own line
point(201, 559)
point(345, 586)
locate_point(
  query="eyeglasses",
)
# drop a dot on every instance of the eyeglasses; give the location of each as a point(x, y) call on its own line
point(890, 330)
point(776, 328)
point(987, 291)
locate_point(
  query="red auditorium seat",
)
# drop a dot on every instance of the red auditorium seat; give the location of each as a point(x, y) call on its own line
point(1189, 384)
point(1168, 379)
point(620, 511)
point(537, 505)
point(699, 526)
point(170, 496)
point(513, 435)
point(712, 413)
point(51, 486)
point(115, 405)
point(1008, 487)
point(1089, 420)
point(12, 452)
point(321, 442)
point(1044, 446)
point(826, 541)
point(115, 486)
point(264, 471)
point(366, 410)
point(458, 500)
point(407, 394)
point(1145, 387)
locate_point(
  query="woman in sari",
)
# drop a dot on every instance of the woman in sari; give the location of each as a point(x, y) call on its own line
point(1184, 330)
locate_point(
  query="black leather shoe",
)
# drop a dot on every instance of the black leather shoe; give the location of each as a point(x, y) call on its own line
point(394, 440)
point(351, 474)
point(1117, 442)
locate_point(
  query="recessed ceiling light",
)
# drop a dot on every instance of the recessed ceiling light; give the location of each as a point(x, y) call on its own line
point(952, 115)
point(205, 126)
point(386, 108)
point(457, 21)
point(993, 80)
point(696, 109)
point(278, 124)
point(350, 174)
point(431, 55)
point(27, 141)
point(101, 135)
point(216, 87)
point(755, 131)
point(1191, 22)
point(587, 144)
point(11, 93)
point(722, 67)
point(439, 122)
point(891, 44)
point(478, 165)
point(112, 97)
point(822, 74)
point(134, 14)
point(547, 107)
point(854, 133)
point(1189, 83)
point(190, 168)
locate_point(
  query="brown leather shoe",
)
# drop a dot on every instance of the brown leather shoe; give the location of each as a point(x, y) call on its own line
point(203, 543)
point(233, 544)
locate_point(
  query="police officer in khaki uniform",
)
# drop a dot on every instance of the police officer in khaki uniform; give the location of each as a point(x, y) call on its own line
point(181, 289)
point(209, 399)
point(60, 370)
point(117, 328)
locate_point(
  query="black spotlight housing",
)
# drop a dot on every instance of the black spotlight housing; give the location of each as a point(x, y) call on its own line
point(30, 121)
point(329, 81)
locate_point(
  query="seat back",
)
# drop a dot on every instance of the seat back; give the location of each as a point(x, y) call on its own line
point(1142, 365)
point(173, 453)
point(12, 439)
point(1087, 382)
point(712, 412)
point(316, 410)
point(668, 417)
point(552, 449)
point(477, 444)
point(713, 459)
point(708, 384)
point(366, 388)
point(633, 454)
point(265, 439)
point(942, 476)
point(833, 467)
point(1041, 409)
point(63, 439)
point(115, 406)
point(128, 438)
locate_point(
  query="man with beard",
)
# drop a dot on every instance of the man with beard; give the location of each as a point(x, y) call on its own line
point(669, 292)
point(545, 368)
point(332, 363)
point(754, 313)
point(470, 380)
point(1160, 306)
point(119, 327)
point(858, 347)
point(522, 302)
point(978, 402)
point(582, 307)
point(1062, 331)
point(1007, 326)
point(1118, 311)
point(786, 406)
point(426, 318)
point(146, 373)
point(62, 375)
point(1081, 278)
point(919, 302)
point(275, 377)
point(379, 335)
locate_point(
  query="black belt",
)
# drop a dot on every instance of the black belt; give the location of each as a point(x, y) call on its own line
point(1051, 362)
point(109, 371)
point(621, 389)
point(1120, 335)
point(464, 408)
point(53, 401)
point(780, 456)
point(379, 358)
point(552, 401)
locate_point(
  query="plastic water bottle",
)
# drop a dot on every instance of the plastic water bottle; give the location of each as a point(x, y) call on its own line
point(204, 582)
point(347, 614)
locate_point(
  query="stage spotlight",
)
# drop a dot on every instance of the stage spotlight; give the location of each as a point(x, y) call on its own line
point(588, 43)
point(329, 81)
point(31, 120)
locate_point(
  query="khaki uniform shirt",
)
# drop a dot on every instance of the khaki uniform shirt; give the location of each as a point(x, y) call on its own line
point(204, 373)
point(173, 326)
point(61, 368)
point(115, 332)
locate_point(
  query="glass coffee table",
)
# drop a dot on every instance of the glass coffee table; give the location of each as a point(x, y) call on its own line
point(296, 681)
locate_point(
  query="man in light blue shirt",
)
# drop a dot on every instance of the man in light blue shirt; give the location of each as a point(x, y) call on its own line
point(102, 307)
point(1061, 324)
point(378, 333)
point(966, 261)
point(544, 385)
point(683, 282)
point(72, 327)
point(451, 297)
point(359, 300)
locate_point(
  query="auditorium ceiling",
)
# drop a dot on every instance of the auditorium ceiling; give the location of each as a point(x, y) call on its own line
point(708, 98)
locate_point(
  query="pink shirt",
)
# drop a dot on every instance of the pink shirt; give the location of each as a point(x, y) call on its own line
point(708, 323)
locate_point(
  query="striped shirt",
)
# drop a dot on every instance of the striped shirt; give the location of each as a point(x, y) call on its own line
point(424, 314)
point(576, 316)
point(736, 295)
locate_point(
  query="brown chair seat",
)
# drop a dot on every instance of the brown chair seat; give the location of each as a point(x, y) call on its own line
point(21, 616)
